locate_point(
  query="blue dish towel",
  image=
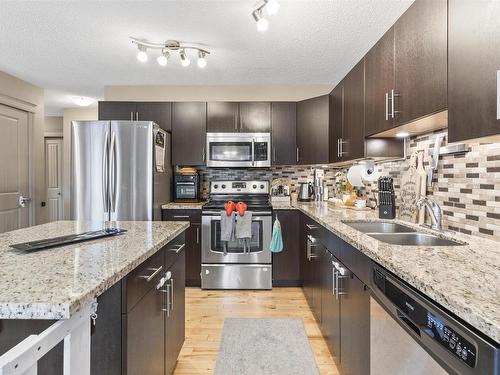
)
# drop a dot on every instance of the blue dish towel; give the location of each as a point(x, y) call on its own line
point(277, 238)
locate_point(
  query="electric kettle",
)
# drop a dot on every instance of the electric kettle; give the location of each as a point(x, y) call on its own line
point(306, 192)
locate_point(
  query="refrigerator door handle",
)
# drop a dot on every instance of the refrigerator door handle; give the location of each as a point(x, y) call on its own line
point(112, 193)
point(105, 173)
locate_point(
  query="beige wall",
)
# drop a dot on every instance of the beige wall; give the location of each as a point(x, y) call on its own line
point(53, 126)
point(23, 95)
point(215, 93)
point(71, 114)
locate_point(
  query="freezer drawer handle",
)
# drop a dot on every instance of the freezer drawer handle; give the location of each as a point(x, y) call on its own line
point(151, 277)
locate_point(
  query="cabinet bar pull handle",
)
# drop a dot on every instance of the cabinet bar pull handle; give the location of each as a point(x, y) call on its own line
point(393, 111)
point(203, 155)
point(131, 116)
point(312, 227)
point(386, 106)
point(274, 153)
point(338, 147)
point(137, 116)
point(172, 295)
point(298, 155)
point(334, 291)
point(151, 277)
point(179, 249)
point(197, 235)
point(181, 217)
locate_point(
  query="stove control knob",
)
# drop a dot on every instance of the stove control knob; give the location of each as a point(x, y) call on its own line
point(223, 186)
point(262, 187)
point(216, 186)
point(254, 186)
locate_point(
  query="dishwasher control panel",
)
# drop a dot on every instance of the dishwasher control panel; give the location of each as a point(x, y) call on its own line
point(450, 339)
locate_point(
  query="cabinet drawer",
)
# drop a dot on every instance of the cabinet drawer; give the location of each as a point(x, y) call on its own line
point(193, 216)
point(143, 278)
point(173, 249)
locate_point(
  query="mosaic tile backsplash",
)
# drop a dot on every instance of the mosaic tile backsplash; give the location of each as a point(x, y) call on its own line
point(467, 186)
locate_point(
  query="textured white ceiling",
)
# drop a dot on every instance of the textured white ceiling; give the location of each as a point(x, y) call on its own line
point(78, 47)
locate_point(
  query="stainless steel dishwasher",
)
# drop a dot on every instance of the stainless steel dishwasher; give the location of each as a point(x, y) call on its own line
point(410, 335)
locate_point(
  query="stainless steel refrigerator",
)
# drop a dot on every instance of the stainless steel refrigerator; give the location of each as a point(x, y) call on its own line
point(120, 170)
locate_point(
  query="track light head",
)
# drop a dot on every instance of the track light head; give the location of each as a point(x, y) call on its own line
point(272, 7)
point(262, 24)
point(142, 56)
point(163, 58)
point(184, 59)
point(202, 61)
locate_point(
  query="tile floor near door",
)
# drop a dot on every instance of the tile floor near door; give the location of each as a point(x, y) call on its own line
point(205, 313)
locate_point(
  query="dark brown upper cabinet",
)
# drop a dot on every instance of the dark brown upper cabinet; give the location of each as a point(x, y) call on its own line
point(347, 119)
point(473, 69)
point(420, 61)
point(284, 136)
point(189, 130)
point(336, 99)
point(312, 130)
point(255, 117)
point(379, 81)
point(159, 112)
point(222, 117)
point(352, 145)
point(125, 111)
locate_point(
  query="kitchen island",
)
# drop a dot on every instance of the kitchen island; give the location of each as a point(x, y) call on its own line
point(119, 273)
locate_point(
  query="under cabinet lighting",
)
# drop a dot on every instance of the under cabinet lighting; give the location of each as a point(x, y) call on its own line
point(402, 135)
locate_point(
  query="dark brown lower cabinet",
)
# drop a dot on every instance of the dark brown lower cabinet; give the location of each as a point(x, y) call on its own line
point(286, 265)
point(193, 242)
point(175, 317)
point(144, 330)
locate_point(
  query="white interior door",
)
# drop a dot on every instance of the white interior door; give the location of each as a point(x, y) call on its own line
point(14, 169)
point(53, 178)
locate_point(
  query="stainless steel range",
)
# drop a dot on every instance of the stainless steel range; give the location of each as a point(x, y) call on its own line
point(236, 266)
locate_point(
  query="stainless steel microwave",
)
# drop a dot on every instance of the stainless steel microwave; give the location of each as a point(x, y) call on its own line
point(238, 150)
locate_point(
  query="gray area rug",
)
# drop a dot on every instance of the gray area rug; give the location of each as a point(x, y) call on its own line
point(265, 346)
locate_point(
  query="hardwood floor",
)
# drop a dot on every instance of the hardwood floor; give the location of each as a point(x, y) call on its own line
point(205, 313)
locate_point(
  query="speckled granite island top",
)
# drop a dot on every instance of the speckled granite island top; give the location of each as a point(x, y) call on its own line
point(463, 279)
point(55, 283)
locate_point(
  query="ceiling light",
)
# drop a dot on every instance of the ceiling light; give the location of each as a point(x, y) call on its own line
point(202, 62)
point(272, 7)
point(184, 59)
point(402, 135)
point(163, 58)
point(142, 56)
point(169, 47)
point(82, 101)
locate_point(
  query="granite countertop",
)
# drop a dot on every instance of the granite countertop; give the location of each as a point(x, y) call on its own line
point(183, 206)
point(463, 279)
point(55, 283)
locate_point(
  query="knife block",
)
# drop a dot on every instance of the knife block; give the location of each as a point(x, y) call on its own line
point(386, 198)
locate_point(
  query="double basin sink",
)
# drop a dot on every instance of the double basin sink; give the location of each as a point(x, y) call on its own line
point(398, 234)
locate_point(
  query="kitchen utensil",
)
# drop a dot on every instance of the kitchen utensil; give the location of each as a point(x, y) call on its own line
point(306, 192)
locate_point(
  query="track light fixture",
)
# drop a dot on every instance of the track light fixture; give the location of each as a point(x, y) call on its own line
point(166, 50)
point(271, 6)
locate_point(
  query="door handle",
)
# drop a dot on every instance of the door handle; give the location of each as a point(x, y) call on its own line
point(137, 116)
point(131, 116)
point(203, 156)
point(253, 152)
point(151, 277)
point(105, 174)
point(113, 166)
point(23, 201)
